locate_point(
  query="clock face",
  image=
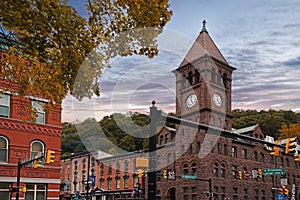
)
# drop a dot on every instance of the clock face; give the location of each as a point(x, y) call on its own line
point(191, 100)
point(217, 99)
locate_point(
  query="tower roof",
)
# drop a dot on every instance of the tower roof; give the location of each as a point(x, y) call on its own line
point(202, 46)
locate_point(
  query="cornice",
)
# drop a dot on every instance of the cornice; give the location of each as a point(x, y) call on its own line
point(14, 125)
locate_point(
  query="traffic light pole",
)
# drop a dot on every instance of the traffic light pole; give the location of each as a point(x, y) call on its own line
point(18, 178)
point(20, 165)
point(154, 116)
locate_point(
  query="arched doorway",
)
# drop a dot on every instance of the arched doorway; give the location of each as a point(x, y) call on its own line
point(171, 194)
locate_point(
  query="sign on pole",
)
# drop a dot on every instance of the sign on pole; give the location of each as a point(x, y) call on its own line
point(188, 177)
point(254, 173)
point(280, 197)
point(273, 171)
point(247, 174)
point(171, 175)
point(93, 180)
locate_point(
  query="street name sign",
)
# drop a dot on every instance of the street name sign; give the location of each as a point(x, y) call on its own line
point(188, 177)
point(273, 171)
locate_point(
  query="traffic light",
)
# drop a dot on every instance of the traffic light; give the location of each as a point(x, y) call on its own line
point(240, 175)
point(144, 174)
point(24, 189)
point(140, 173)
point(284, 190)
point(290, 146)
point(50, 156)
point(259, 173)
point(165, 173)
point(275, 149)
point(12, 189)
point(297, 157)
point(36, 163)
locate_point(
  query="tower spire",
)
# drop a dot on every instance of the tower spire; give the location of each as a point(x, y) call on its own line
point(203, 26)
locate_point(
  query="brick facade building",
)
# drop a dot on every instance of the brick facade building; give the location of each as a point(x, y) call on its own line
point(20, 140)
point(203, 95)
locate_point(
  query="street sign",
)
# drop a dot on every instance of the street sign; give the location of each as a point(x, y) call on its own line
point(254, 173)
point(188, 177)
point(247, 174)
point(273, 171)
point(171, 175)
point(93, 180)
point(280, 197)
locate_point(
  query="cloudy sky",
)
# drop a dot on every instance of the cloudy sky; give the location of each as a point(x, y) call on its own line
point(260, 38)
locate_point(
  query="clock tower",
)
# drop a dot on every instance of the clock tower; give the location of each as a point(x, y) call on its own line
point(203, 84)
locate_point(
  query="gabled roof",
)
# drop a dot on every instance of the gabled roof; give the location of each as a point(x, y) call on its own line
point(246, 129)
point(204, 45)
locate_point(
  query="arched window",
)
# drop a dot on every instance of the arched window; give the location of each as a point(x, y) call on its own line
point(93, 161)
point(75, 176)
point(36, 147)
point(102, 169)
point(109, 169)
point(213, 75)
point(83, 175)
point(75, 165)
point(262, 157)
point(191, 78)
point(219, 77)
point(225, 80)
point(197, 76)
point(118, 167)
point(255, 156)
point(216, 169)
point(223, 170)
point(3, 149)
point(83, 163)
point(126, 166)
point(194, 169)
point(185, 169)
point(93, 172)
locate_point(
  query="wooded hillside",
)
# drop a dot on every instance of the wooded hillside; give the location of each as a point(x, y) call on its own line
point(273, 123)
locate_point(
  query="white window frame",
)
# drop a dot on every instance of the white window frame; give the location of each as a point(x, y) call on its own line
point(38, 106)
point(5, 103)
point(35, 190)
point(6, 148)
point(33, 153)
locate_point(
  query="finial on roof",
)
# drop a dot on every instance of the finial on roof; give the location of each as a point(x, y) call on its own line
point(204, 26)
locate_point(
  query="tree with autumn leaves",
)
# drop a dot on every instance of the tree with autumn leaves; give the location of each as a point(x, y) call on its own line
point(61, 52)
point(289, 131)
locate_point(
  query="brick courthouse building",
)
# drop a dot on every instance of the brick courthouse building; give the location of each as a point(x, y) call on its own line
point(203, 91)
point(21, 139)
